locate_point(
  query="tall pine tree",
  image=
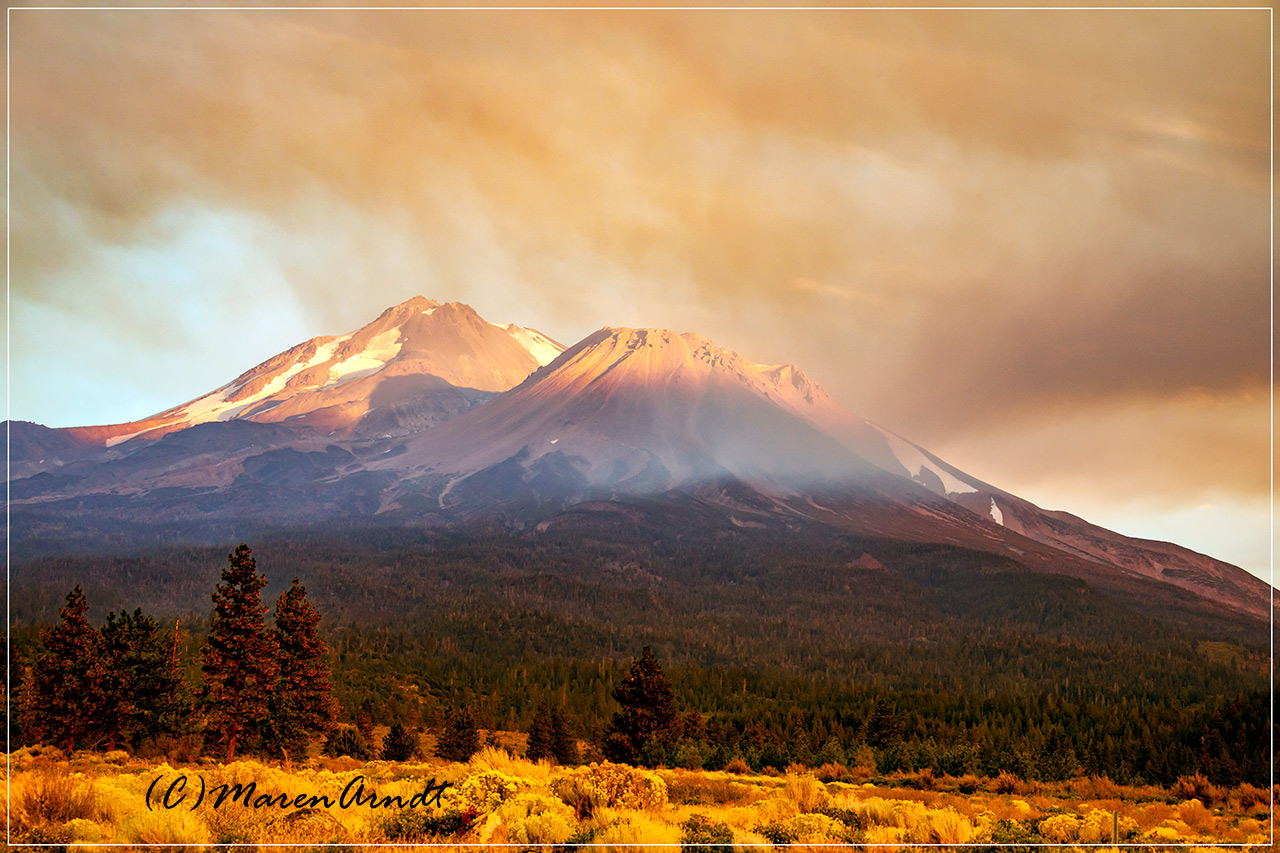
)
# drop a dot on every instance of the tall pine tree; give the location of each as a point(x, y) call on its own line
point(541, 735)
point(648, 716)
point(564, 745)
point(459, 738)
point(239, 655)
point(302, 705)
point(64, 701)
point(143, 693)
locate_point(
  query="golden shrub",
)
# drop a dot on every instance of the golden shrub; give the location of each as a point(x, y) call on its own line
point(884, 834)
point(587, 789)
point(814, 829)
point(492, 758)
point(1194, 814)
point(178, 826)
point(1250, 796)
point(1061, 828)
point(948, 826)
point(535, 819)
point(1098, 824)
point(1162, 835)
point(808, 794)
point(486, 790)
point(833, 772)
point(628, 832)
point(1197, 787)
point(45, 798)
point(1006, 783)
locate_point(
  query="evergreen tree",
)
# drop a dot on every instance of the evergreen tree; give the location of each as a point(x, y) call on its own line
point(564, 746)
point(883, 729)
point(348, 741)
point(541, 735)
point(459, 738)
point(65, 700)
point(648, 717)
point(239, 655)
point(400, 744)
point(302, 705)
point(364, 720)
point(143, 694)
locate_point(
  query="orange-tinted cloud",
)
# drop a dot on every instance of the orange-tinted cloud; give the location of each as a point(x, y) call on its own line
point(956, 220)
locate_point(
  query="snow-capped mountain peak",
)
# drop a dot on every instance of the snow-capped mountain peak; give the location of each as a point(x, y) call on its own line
point(332, 379)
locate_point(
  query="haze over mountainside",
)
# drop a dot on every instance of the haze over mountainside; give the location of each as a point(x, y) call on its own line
point(432, 416)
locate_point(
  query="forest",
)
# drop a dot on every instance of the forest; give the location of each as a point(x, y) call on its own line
point(780, 650)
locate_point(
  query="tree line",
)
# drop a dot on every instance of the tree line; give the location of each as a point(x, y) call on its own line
point(122, 684)
point(270, 692)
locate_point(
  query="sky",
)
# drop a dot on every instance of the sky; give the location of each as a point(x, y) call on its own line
point(1036, 242)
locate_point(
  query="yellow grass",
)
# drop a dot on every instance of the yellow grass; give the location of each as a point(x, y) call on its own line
point(499, 798)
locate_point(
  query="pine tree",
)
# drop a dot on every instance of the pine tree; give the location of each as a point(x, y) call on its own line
point(239, 655)
point(142, 690)
point(345, 740)
point(648, 717)
point(564, 746)
point(459, 738)
point(541, 735)
point(64, 702)
point(883, 729)
point(302, 705)
point(364, 720)
point(400, 744)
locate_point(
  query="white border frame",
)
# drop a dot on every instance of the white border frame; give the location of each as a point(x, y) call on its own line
point(9, 12)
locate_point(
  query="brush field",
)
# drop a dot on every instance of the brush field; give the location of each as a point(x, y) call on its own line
point(497, 798)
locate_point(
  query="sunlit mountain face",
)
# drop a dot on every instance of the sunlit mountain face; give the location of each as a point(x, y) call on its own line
point(432, 416)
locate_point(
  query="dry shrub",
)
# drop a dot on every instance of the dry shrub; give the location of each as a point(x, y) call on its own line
point(737, 765)
point(806, 792)
point(1249, 796)
point(1194, 814)
point(1096, 788)
point(178, 826)
point(1061, 828)
point(485, 790)
point(698, 789)
point(535, 819)
point(1011, 809)
point(875, 812)
point(1005, 783)
point(1099, 825)
point(501, 761)
point(50, 798)
point(626, 833)
point(833, 772)
point(1163, 835)
point(925, 779)
point(968, 783)
point(590, 788)
point(884, 836)
point(815, 829)
point(948, 827)
point(1197, 787)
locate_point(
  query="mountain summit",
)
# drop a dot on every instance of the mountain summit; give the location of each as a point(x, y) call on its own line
point(418, 363)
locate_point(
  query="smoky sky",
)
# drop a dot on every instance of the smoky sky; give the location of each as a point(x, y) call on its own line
point(1033, 241)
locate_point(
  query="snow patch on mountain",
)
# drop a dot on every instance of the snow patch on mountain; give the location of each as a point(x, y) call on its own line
point(917, 464)
point(374, 357)
point(543, 349)
point(996, 514)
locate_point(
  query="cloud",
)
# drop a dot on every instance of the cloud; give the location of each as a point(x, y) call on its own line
point(966, 224)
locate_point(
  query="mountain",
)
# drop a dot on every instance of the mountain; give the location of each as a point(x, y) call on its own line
point(418, 363)
point(431, 416)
